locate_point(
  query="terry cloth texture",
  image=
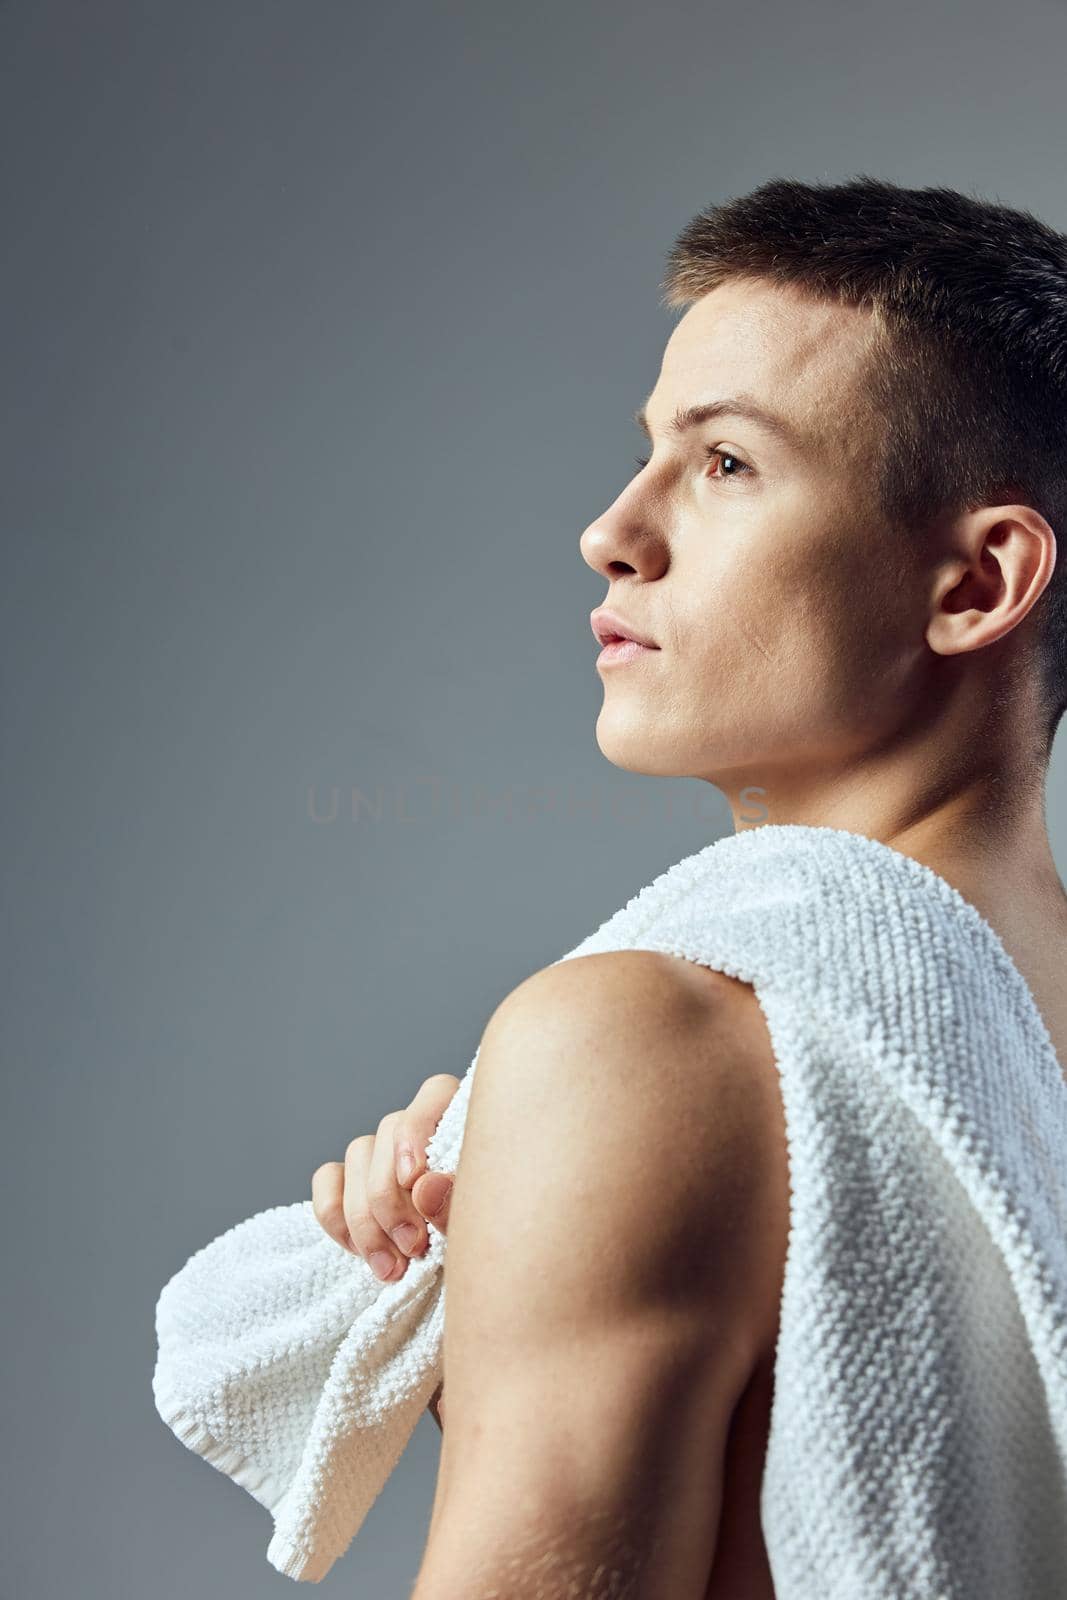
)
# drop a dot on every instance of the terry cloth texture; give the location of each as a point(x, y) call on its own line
point(918, 1437)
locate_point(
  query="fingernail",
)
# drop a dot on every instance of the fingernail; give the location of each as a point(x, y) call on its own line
point(438, 1193)
point(382, 1263)
point(405, 1236)
point(405, 1164)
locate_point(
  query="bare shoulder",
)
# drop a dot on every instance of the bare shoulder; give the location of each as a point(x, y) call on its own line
point(632, 979)
point(610, 1268)
point(686, 1048)
point(658, 995)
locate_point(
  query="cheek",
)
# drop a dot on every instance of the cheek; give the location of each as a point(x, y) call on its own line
point(839, 644)
point(783, 596)
point(743, 618)
point(792, 628)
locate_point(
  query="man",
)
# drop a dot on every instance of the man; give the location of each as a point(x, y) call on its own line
point(841, 552)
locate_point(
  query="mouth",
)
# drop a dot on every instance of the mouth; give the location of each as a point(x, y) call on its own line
point(619, 650)
point(610, 628)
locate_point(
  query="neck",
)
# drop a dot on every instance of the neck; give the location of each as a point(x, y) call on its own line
point(978, 820)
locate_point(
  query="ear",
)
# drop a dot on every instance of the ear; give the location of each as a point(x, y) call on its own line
point(999, 563)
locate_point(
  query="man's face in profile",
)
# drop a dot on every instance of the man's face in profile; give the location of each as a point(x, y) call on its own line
point(751, 551)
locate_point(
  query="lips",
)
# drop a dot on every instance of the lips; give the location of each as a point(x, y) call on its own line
point(609, 628)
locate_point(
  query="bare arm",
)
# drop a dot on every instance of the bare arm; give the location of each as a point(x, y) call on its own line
point(599, 1335)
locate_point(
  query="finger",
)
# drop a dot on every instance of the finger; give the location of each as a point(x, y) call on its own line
point(432, 1195)
point(366, 1232)
point(389, 1204)
point(327, 1202)
point(418, 1123)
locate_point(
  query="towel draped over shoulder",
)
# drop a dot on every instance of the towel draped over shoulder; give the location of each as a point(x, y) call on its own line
point(918, 1436)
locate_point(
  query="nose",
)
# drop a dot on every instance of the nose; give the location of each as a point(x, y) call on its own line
point(621, 540)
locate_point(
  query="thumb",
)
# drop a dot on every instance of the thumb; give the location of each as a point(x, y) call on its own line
point(432, 1195)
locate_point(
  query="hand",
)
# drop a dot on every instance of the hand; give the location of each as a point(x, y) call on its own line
point(363, 1201)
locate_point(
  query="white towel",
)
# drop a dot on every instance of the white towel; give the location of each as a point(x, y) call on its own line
point(918, 1441)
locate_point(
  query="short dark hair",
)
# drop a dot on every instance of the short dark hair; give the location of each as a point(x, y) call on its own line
point(968, 376)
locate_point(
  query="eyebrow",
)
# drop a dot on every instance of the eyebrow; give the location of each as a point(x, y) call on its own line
point(687, 417)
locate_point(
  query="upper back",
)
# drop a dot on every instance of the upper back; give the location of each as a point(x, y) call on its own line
point(1034, 934)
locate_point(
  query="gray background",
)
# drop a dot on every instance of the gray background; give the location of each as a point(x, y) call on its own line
point(322, 328)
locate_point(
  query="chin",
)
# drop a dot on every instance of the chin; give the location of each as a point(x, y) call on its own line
point(634, 747)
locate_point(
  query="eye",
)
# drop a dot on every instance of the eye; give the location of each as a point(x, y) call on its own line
point(728, 455)
point(712, 450)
